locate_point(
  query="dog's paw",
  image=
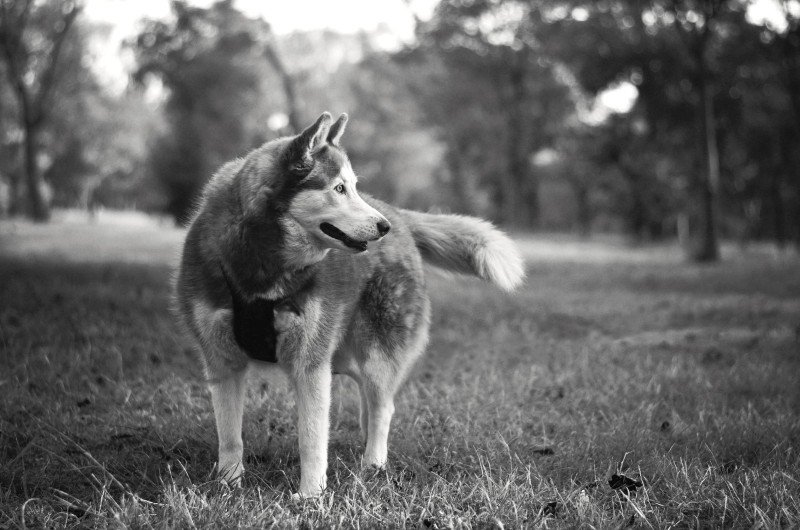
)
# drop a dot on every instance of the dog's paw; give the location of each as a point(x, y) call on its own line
point(371, 461)
point(230, 474)
point(371, 471)
point(287, 316)
point(311, 488)
point(309, 495)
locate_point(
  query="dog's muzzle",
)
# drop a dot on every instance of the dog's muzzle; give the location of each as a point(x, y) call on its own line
point(331, 231)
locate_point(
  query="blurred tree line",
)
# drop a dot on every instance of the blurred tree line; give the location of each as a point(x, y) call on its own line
point(64, 141)
point(495, 109)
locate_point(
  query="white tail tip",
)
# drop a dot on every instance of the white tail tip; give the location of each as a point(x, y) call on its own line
point(499, 261)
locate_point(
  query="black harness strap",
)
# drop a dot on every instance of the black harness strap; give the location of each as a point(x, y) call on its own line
point(254, 321)
point(254, 324)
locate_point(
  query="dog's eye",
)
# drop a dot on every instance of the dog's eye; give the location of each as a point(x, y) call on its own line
point(339, 188)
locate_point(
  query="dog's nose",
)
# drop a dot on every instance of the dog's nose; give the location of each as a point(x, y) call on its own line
point(384, 227)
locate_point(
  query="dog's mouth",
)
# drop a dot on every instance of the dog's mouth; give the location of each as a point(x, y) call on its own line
point(331, 231)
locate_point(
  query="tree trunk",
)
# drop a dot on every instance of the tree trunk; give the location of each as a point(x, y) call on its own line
point(459, 182)
point(289, 89)
point(14, 205)
point(776, 195)
point(708, 247)
point(776, 198)
point(636, 217)
point(38, 208)
point(790, 65)
point(520, 193)
point(584, 208)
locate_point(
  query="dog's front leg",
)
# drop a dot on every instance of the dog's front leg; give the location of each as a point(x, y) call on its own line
point(302, 351)
point(227, 396)
point(226, 368)
point(313, 387)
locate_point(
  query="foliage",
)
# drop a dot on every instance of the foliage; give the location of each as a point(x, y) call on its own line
point(88, 141)
point(211, 62)
point(495, 98)
point(388, 143)
point(671, 51)
point(41, 53)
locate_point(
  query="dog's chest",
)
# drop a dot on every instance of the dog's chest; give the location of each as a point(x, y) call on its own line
point(254, 319)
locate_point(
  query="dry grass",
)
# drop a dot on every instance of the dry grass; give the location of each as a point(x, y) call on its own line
point(608, 361)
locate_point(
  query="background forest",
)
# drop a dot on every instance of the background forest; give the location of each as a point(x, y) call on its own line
point(657, 119)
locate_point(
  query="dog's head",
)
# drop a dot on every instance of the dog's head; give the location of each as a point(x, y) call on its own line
point(316, 190)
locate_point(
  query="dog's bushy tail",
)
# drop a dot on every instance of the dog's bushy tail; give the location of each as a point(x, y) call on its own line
point(467, 245)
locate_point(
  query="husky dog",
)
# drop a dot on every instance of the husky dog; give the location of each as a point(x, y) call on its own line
point(284, 262)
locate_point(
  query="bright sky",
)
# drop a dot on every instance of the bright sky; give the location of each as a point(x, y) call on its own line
point(768, 12)
point(396, 17)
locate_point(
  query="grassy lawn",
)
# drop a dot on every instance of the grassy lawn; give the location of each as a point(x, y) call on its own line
point(610, 361)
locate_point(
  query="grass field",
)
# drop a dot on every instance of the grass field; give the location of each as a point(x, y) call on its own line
point(610, 361)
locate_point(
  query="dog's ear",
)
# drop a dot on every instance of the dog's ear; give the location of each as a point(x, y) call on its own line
point(337, 130)
point(298, 154)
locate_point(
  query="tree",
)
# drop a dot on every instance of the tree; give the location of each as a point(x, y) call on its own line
point(494, 95)
point(273, 57)
point(758, 135)
point(211, 61)
point(33, 38)
point(97, 143)
point(672, 50)
point(787, 43)
point(392, 150)
point(10, 173)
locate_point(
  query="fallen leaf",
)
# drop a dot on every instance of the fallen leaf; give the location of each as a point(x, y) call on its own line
point(550, 509)
point(623, 484)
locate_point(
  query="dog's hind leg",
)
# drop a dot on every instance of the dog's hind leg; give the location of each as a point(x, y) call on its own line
point(227, 396)
point(381, 375)
point(380, 405)
point(363, 418)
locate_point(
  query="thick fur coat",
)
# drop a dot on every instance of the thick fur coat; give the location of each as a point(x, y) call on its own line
point(285, 263)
